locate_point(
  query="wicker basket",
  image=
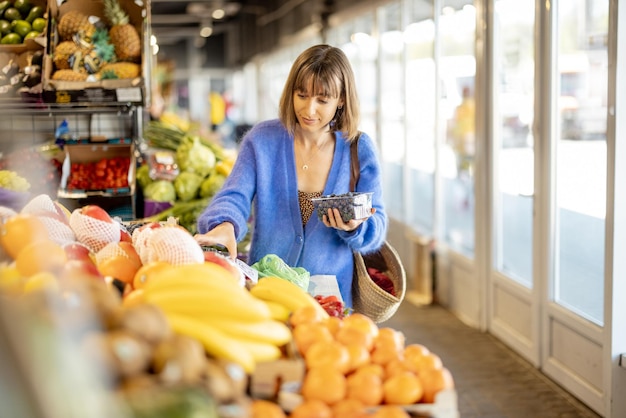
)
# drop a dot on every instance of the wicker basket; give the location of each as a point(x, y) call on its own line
point(367, 297)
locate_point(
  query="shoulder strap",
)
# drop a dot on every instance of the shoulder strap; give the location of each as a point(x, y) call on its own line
point(355, 168)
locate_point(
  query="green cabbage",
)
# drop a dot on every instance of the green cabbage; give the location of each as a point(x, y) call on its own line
point(143, 176)
point(187, 185)
point(273, 265)
point(193, 156)
point(211, 185)
point(160, 191)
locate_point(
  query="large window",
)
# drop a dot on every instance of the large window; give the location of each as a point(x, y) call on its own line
point(457, 69)
point(513, 113)
point(392, 92)
point(582, 63)
point(419, 39)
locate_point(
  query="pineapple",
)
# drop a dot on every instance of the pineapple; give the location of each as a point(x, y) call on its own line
point(62, 54)
point(69, 75)
point(74, 22)
point(119, 70)
point(124, 36)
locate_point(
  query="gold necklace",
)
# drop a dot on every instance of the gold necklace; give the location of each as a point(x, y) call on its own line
point(305, 165)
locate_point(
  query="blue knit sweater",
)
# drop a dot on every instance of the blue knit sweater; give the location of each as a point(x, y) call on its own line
point(264, 176)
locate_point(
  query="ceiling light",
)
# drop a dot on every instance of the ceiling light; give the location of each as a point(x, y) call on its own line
point(218, 14)
point(206, 30)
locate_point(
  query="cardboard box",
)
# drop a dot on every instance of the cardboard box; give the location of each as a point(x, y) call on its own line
point(121, 90)
point(92, 152)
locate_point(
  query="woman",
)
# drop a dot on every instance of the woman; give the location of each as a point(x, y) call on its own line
point(285, 162)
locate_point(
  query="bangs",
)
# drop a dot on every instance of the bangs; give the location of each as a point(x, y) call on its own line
point(318, 80)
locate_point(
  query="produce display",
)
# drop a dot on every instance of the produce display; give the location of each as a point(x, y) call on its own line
point(183, 168)
point(107, 49)
point(20, 72)
point(21, 20)
point(106, 173)
point(175, 332)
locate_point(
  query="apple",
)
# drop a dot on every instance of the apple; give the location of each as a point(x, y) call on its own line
point(77, 251)
point(80, 270)
point(95, 211)
point(213, 257)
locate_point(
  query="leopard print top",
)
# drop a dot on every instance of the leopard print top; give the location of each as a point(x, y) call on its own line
point(306, 205)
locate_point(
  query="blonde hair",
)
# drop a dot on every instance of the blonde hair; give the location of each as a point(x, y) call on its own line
point(327, 72)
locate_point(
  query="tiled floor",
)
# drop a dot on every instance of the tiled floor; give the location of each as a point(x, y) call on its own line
point(491, 380)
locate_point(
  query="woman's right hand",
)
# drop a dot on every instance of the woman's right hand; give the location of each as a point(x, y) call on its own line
point(223, 234)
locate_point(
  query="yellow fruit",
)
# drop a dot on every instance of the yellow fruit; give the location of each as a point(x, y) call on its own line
point(11, 280)
point(40, 256)
point(20, 230)
point(42, 281)
point(147, 271)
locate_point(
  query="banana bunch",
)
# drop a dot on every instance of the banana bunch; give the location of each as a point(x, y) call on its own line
point(200, 301)
point(283, 297)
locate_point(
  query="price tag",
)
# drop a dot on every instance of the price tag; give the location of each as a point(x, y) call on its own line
point(248, 271)
point(128, 94)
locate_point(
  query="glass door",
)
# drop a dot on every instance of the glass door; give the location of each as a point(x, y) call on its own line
point(513, 310)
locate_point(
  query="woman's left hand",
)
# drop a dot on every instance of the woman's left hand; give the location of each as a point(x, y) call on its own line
point(333, 220)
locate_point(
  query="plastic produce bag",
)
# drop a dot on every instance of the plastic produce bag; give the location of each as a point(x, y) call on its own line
point(273, 265)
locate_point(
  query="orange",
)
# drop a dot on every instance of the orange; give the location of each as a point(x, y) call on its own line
point(402, 389)
point(390, 336)
point(359, 356)
point(20, 230)
point(349, 408)
point(328, 353)
point(390, 411)
point(396, 365)
point(415, 350)
point(260, 408)
point(132, 298)
point(119, 267)
point(334, 324)
point(361, 322)
point(384, 352)
point(373, 368)
point(312, 409)
point(146, 271)
point(324, 384)
point(366, 387)
point(425, 362)
point(353, 335)
point(434, 381)
point(305, 314)
point(304, 335)
point(39, 256)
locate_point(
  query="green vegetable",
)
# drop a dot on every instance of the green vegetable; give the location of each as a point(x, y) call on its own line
point(12, 181)
point(193, 156)
point(187, 185)
point(143, 176)
point(212, 185)
point(160, 191)
point(273, 265)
